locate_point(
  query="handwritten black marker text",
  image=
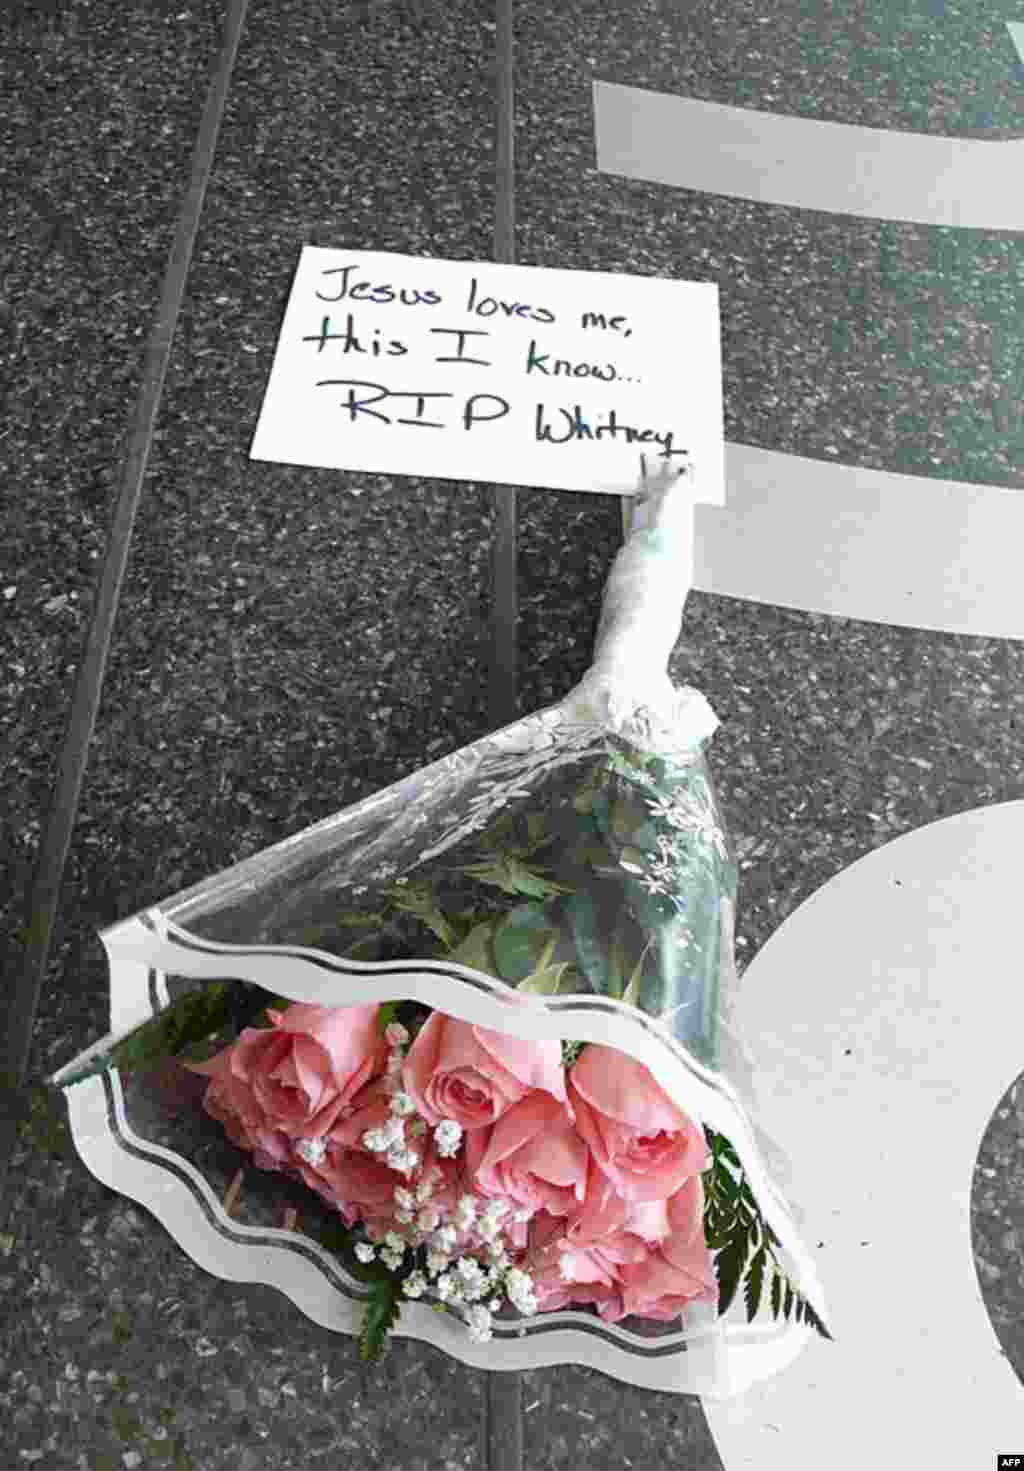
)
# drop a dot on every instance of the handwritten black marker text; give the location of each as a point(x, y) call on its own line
point(576, 427)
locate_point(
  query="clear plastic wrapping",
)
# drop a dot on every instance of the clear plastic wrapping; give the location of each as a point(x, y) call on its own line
point(567, 876)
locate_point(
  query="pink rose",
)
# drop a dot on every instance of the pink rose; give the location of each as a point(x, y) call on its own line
point(304, 1069)
point(680, 1269)
point(643, 1143)
point(351, 1178)
point(566, 1271)
point(532, 1156)
point(473, 1075)
point(358, 1182)
point(244, 1122)
point(603, 1210)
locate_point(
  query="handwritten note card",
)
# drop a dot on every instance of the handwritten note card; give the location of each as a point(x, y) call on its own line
point(520, 375)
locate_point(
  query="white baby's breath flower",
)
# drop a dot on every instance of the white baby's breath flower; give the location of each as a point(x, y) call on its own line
point(478, 1320)
point(496, 1209)
point(473, 1281)
point(566, 1262)
point(364, 1251)
point(375, 1141)
point(394, 1242)
point(448, 1137)
point(437, 1261)
point(424, 1190)
point(516, 1280)
point(402, 1104)
point(311, 1150)
point(488, 1228)
point(392, 1260)
point(520, 1291)
point(446, 1288)
point(415, 1285)
point(403, 1160)
point(394, 1131)
point(445, 1238)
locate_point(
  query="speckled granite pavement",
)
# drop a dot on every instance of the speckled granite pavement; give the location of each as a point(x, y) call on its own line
point(291, 640)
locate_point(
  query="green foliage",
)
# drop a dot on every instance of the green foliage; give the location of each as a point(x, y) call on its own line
point(477, 949)
point(520, 940)
point(387, 1013)
point(570, 1052)
point(380, 1314)
point(496, 839)
point(184, 1027)
point(507, 872)
point(591, 953)
point(737, 1232)
point(546, 979)
point(193, 1017)
point(355, 919)
point(419, 901)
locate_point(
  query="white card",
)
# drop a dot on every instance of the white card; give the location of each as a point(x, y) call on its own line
point(519, 375)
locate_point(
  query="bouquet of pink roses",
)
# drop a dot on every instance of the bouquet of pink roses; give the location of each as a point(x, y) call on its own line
point(480, 1030)
point(479, 1168)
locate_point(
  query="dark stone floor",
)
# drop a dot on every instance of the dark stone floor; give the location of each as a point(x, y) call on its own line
point(290, 640)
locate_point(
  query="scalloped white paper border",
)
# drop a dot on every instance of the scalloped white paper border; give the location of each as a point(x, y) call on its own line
point(715, 1358)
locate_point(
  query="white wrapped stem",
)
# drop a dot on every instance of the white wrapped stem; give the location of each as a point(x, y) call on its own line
point(642, 609)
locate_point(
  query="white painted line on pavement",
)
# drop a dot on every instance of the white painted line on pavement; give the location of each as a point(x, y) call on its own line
point(888, 1013)
point(914, 551)
point(1016, 30)
point(876, 173)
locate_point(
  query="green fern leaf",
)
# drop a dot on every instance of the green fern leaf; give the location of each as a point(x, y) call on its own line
point(477, 949)
point(816, 1322)
point(776, 1294)
point(418, 900)
point(387, 1013)
point(754, 1283)
point(511, 875)
point(729, 1265)
point(380, 1314)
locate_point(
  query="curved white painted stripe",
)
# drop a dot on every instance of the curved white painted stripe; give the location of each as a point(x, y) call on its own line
point(861, 543)
point(909, 959)
point(873, 172)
